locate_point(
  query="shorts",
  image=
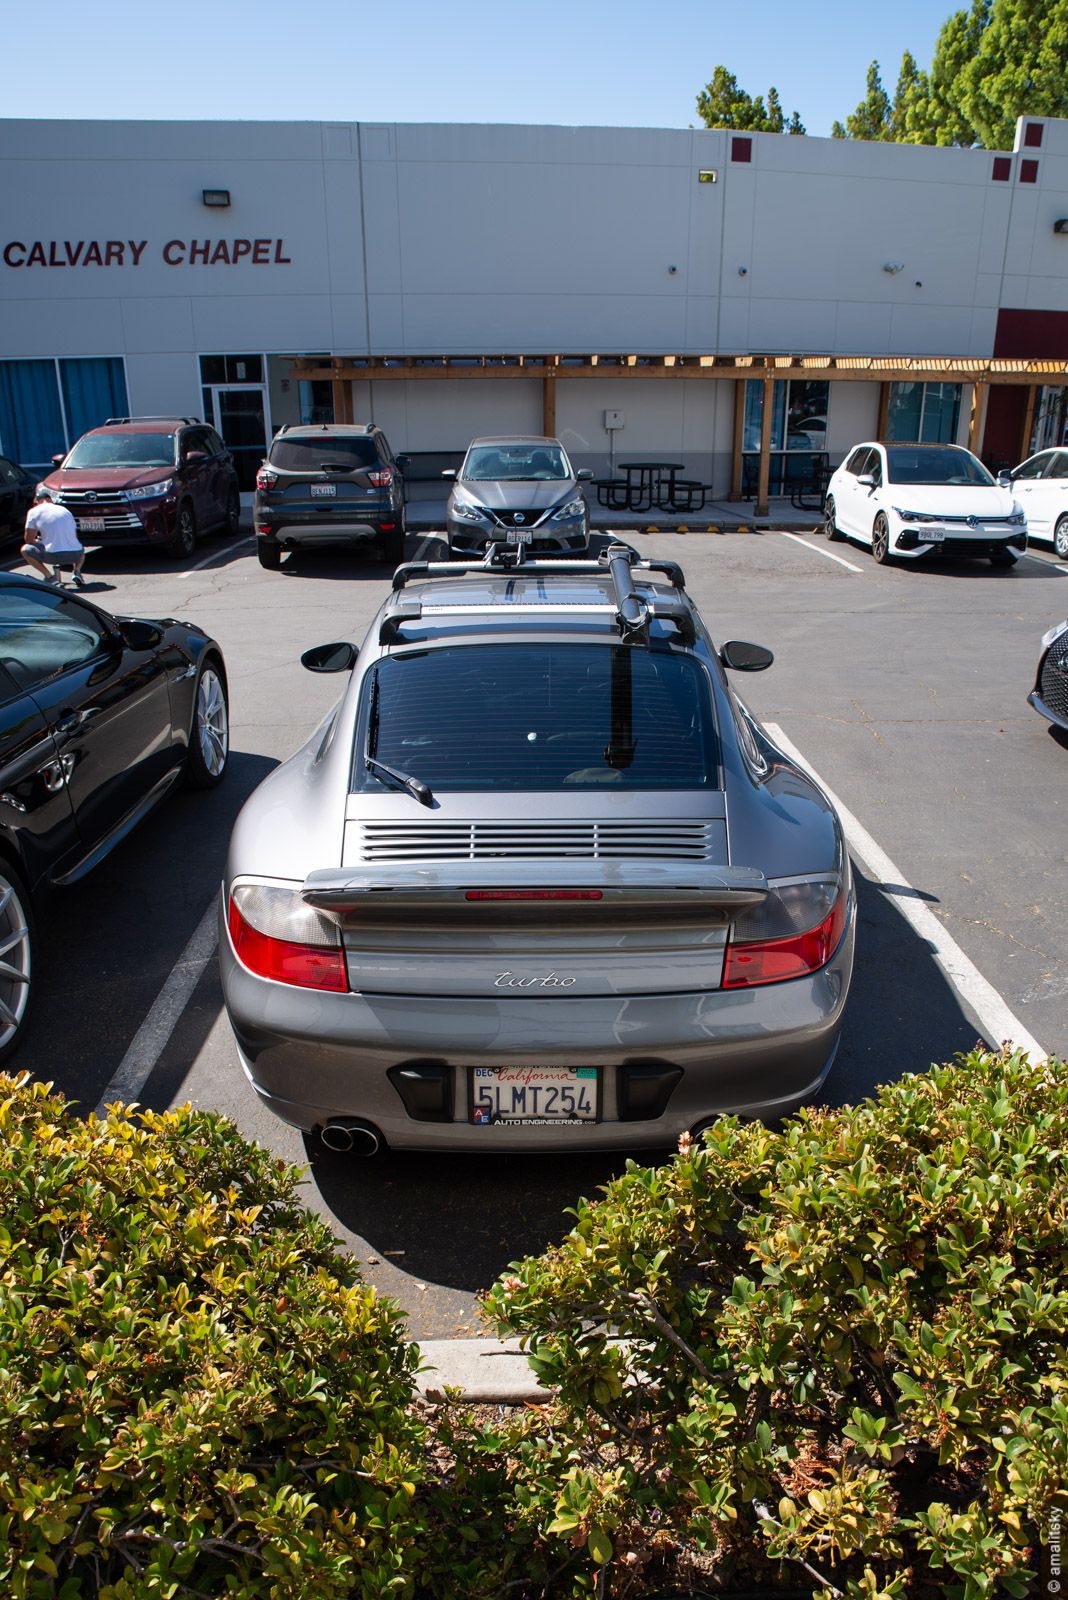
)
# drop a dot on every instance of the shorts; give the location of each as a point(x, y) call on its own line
point(36, 548)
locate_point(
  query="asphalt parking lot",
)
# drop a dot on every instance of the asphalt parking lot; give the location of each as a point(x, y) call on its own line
point(904, 689)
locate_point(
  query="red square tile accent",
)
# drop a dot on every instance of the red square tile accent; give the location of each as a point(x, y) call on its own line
point(741, 149)
point(1033, 135)
point(1002, 169)
point(1028, 171)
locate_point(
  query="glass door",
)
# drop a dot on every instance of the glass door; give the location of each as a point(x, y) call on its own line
point(240, 414)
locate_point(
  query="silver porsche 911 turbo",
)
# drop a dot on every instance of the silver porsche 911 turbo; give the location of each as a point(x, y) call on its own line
point(540, 881)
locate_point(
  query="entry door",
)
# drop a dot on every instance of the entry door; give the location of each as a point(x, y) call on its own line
point(241, 418)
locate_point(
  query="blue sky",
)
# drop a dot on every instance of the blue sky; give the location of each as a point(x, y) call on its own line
point(603, 62)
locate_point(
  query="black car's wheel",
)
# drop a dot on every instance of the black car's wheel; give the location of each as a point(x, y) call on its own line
point(1003, 558)
point(1060, 538)
point(209, 737)
point(270, 555)
point(830, 527)
point(880, 540)
point(184, 541)
point(233, 514)
point(16, 958)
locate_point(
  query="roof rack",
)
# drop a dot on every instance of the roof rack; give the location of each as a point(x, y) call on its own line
point(111, 421)
point(633, 611)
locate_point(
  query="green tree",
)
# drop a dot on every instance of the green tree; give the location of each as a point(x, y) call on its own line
point(957, 46)
point(873, 118)
point(722, 103)
point(1020, 68)
point(911, 119)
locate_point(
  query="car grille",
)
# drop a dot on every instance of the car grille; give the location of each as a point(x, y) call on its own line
point(591, 841)
point(110, 504)
point(1053, 686)
point(974, 522)
point(517, 519)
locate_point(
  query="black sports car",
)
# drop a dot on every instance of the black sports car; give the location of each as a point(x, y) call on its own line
point(1050, 693)
point(99, 717)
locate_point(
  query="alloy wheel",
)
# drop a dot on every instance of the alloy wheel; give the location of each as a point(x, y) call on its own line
point(15, 961)
point(212, 723)
point(830, 527)
point(185, 538)
point(1060, 538)
point(880, 539)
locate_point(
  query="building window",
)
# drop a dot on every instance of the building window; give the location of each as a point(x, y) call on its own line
point(798, 424)
point(923, 413)
point(1028, 171)
point(46, 405)
point(1033, 135)
point(741, 149)
point(1002, 169)
point(231, 369)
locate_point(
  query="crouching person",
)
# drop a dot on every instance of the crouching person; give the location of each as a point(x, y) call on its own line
point(52, 536)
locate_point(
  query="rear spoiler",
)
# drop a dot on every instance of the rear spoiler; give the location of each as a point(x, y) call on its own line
point(647, 883)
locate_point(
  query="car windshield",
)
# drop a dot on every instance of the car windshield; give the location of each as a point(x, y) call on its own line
point(514, 717)
point(331, 452)
point(912, 464)
point(518, 462)
point(123, 450)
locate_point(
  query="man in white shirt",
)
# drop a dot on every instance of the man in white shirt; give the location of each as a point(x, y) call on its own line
point(52, 535)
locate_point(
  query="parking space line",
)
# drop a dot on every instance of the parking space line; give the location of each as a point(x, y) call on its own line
point(151, 1038)
point(995, 1019)
point(216, 555)
point(1062, 572)
point(817, 550)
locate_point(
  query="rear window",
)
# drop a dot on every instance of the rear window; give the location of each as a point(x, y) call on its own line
point(540, 717)
point(331, 453)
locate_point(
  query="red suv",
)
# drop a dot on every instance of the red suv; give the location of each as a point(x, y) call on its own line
point(159, 481)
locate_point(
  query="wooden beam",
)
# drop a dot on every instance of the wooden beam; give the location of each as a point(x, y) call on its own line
point(548, 405)
point(764, 468)
point(884, 411)
point(975, 421)
point(736, 439)
point(1028, 422)
point(339, 386)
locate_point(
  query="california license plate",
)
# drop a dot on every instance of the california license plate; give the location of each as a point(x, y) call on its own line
point(520, 535)
point(532, 1096)
point(932, 535)
point(326, 490)
point(90, 524)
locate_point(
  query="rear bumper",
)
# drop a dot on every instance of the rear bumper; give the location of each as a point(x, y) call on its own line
point(287, 535)
point(311, 1056)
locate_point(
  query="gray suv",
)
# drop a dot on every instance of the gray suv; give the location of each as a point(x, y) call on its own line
point(540, 882)
point(330, 484)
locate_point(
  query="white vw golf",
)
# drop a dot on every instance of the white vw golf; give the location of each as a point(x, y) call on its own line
point(913, 500)
point(1040, 486)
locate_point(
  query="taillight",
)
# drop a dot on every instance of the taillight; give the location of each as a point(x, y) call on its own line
point(266, 479)
point(277, 935)
point(759, 951)
point(382, 478)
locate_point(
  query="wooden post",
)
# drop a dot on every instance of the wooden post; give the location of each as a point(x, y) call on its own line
point(884, 411)
point(737, 439)
point(548, 405)
point(764, 471)
point(339, 386)
point(975, 421)
point(1029, 422)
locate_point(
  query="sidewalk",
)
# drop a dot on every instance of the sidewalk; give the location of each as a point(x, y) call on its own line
point(428, 516)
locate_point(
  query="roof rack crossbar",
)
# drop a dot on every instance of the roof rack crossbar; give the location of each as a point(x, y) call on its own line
point(568, 566)
point(113, 421)
point(400, 612)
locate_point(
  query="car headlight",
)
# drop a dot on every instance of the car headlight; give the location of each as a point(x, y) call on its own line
point(149, 491)
point(568, 513)
point(467, 511)
point(1016, 518)
point(912, 516)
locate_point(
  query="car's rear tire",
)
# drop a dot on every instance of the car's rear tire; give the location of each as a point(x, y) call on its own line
point(830, 527)
point(1060, 538)
point(209, 736)
point(1003, 558)
point(391, 545)
point(269, 554)
point(233, 514)
point(880, 541)
point(17, 940)
point(184, 541)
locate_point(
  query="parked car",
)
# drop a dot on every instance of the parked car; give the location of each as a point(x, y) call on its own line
point(337, 483)
point(540, 882)
point(910, 500)
point(159, 481)
point(517, 491)
point(1050, 693)
point(100, 717)
point(1040, 488)
point(16, 497)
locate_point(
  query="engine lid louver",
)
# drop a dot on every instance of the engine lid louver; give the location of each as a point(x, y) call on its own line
point(590, 841)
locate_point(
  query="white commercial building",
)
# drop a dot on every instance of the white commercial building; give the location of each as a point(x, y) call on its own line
point(607, 275)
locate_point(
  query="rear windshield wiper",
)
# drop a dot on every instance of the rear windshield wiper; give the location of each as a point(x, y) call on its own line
point(379, 769)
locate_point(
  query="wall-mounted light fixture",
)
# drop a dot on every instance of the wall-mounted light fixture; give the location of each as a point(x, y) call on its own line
point(708, 175)
point(1061, 225)
point(215, 197)
point(893, 266)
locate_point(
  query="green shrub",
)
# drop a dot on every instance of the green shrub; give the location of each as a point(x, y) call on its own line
point(197, 1393)
point(847, 1346)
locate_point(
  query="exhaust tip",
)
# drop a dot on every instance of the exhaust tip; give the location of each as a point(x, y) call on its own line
point(346, 1135)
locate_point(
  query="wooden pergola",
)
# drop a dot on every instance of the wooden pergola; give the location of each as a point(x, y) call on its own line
point(979, 373)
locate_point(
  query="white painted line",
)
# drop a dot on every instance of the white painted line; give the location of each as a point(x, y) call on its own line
point(993, 1015)
point(1062, 572)
point(150, 1041)
point(819, 551)
point(216, 555)
point(431, 538)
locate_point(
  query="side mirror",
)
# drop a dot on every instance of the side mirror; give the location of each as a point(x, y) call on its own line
point(194, 455)
point(138, 634)
point(1004, 480)
point(584, 475)
point(449, 472)
point(330, 658)
point(867, 480)
point(404, 462)
point(57, 461)
point(745, 657)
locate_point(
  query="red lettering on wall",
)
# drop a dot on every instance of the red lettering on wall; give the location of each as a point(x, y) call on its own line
point(93, 258)
point(73, 258)
point(198, 252)
point(138, 251)
point(114, 250)
point(283, 261)
point(261, 252)
point(36, 257)
point(242, 247)
point(9, 249)
point(221, 254)
point(169, 248)
point(53, 259)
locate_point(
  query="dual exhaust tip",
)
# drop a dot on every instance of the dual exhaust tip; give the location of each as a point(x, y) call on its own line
point(349, 1136)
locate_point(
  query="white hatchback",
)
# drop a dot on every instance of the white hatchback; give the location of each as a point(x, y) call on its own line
point(1040, 488)
point(913, 500)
